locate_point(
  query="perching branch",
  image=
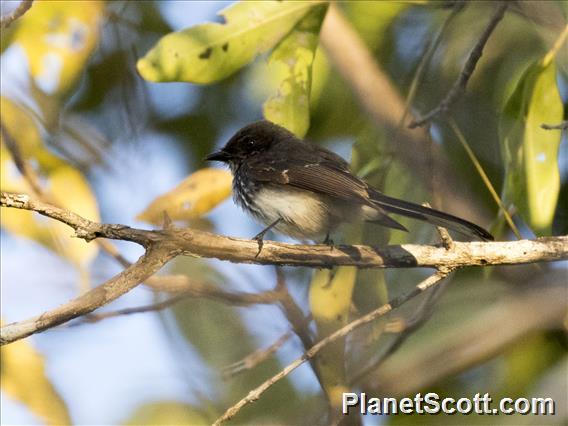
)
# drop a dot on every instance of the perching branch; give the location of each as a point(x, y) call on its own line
point(193, 242)
point(164, 245)
point(459, 86)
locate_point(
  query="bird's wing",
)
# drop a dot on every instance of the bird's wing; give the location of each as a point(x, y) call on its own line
point(322, 177)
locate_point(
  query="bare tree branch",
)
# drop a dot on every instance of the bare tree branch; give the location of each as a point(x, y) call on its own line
point(494, 328)
point(194, 242)
point(197, 290)
point(429, 51)
point(154, 258)
point(154, 307)
point(22, 8)
point(459, 86)
point(164, 245)
point(342, 332)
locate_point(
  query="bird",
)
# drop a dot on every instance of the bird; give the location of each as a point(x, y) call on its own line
point(305, 191)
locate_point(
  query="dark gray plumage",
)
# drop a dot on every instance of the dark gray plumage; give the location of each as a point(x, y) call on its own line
point(309, 190)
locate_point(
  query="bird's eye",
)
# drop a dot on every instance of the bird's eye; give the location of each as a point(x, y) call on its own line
point(250, 142)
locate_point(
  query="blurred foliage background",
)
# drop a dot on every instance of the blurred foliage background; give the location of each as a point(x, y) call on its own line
point(98, 138)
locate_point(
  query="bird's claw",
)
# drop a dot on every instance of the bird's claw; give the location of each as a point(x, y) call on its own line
point(329, 242)
point(260, 241)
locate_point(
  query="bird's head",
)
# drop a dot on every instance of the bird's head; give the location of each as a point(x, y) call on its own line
point(250, 141)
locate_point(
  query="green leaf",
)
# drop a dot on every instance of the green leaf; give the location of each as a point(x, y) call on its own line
point(532, 179)
point(293, 59)
point(210, 52)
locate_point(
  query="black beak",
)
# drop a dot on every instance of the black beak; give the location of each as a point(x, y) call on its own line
point(218, 156)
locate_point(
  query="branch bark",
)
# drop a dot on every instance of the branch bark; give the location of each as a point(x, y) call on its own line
point(164, 245)
point(154, 258)
point(192, 242)
point(342, 332)
point(18, 12)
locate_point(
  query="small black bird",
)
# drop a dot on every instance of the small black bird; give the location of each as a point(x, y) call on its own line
point(305, 191)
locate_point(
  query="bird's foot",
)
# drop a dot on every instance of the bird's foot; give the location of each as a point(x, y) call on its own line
point(259, 238)
point(329, 242)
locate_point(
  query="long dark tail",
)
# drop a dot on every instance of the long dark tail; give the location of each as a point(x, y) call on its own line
point(435, 217)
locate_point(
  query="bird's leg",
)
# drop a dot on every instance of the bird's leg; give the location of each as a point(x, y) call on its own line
point(260, 236)
point(328, 241)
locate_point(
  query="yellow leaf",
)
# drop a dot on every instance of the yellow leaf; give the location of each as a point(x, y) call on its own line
point(193, 197)
point(63, 184)
point(24, 379)
point(71, 191)
point(58, 37)
point(292, 59)
point(330, 300)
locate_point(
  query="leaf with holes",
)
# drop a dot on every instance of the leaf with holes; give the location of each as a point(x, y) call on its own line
point(292, 60)
point(209, 52)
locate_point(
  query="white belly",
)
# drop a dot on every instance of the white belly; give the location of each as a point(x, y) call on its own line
point(303, 214)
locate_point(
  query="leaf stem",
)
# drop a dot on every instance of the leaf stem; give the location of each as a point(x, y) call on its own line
point(483, 176)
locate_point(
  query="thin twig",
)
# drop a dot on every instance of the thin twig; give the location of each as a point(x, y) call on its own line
point(460, 85)
point(296, 318)
point(292, 311)
point(154, 307)
point(22, 8)
point(405, 328)
point(541, 307)
point(342, 332)
point(445, 237)
point(427, 56)
point(196, 291)
point(21, 164)
point(33, 180)
point(255, 358)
